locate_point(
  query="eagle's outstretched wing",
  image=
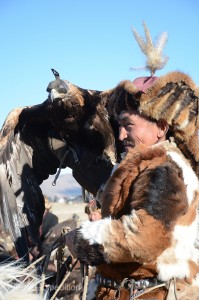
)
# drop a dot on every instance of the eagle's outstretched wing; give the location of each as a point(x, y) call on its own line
point(25, 161)
point(71, 128)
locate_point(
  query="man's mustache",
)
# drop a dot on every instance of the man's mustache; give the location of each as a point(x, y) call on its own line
point(128, 143)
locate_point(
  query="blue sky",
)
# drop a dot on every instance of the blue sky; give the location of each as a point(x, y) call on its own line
point(89, 42)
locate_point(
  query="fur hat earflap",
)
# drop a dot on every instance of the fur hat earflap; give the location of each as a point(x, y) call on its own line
point(175, 99)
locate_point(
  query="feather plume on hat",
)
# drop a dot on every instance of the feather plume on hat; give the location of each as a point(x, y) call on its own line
point(173, 97)
point(153, 51)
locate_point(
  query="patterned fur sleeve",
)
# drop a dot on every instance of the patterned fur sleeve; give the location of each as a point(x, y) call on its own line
point(137, 237)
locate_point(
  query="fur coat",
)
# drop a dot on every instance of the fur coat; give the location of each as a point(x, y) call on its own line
point(150, 221)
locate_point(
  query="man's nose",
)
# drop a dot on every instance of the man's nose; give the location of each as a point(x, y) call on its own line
point(122, 133)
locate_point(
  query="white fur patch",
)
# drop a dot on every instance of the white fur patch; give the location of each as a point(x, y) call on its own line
point(185, 237)
point(169, 270)
point(94, 232)
point(174, 261)
point(190, 178)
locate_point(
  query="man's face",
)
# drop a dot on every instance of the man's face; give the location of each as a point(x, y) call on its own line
point(135, 129)
point(94, 216)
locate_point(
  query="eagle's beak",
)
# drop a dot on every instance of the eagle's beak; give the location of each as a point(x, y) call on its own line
point(53, 95)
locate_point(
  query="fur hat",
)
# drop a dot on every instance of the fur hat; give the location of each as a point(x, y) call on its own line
point(173, 97)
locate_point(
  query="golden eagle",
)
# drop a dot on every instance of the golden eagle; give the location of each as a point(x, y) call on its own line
point(72, 128)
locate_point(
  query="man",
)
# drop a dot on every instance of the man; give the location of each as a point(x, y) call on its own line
point(93, 213)
point(152, 200)
point(145, 245)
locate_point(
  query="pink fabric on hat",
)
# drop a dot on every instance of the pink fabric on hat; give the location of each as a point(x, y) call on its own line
point(143, 83)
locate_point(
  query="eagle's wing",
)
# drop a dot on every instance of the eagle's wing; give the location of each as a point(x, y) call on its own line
point(25, 161)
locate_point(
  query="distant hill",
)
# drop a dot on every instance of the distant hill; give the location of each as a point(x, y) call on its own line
point(65, 186)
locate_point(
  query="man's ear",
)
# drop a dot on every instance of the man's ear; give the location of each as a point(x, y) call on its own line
point(163, 128)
